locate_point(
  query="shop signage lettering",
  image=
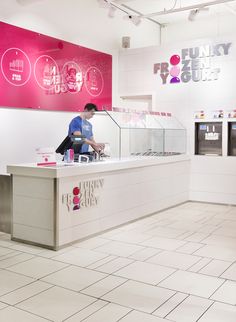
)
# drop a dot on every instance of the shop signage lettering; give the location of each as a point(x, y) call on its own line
point(84, 195)
point(194, 64)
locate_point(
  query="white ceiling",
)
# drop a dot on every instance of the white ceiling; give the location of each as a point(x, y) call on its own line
point(86, 23)
point(135, 7)
point(147, 7)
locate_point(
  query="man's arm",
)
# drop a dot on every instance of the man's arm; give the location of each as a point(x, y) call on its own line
point(96, 146)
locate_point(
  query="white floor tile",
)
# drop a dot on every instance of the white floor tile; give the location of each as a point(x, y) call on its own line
point(6, 242)
point(228, 223)
point(91, 243)
point(113, 311)
point(145, 272)
point(226, 231)
point(9, 255)
point(145, 253)
point(175, 260)
point(165, 232)
point(190, 309)
point(80, 257)
point(192, 283)
point(185, 235)
point(226, 293)
point(218, 240)
point(119, 249)
point(10, 281)
point(27, 248)
point(24, 292)
point(2, 305)
point(74, 278)
point(230, 273)
point(219, 312)
point(169, 305)
point(199, 265)
point(56, 304)
point(37, 267)
point(114, 265)
point(164, 243)
point(104, 286)
point(131, 237)
point(226, 216)
point(102, 261)
point(189, 248)
point(5, 251)
point(217, 252)
point(12, 314)
point(86, 312)
point(10, 261)
point(139, 296)
point(215, 268)
point(217, 208)
point(136, 316)
point(196, 237)
point(51, 253)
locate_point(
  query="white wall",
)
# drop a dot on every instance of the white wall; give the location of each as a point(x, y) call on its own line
point(217, 26)
point(136, 76)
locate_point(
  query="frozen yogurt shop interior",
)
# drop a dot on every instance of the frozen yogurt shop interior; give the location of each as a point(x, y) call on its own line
point(118, 160)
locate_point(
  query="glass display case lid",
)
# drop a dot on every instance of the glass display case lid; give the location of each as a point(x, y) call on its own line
point(143, 120)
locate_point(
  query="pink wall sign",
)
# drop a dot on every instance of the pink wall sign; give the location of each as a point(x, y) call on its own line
point(41, 72)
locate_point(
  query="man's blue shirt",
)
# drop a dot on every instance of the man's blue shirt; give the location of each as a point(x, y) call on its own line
point(85, 127)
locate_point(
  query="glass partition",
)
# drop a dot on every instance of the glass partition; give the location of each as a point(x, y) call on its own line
point(139, 134)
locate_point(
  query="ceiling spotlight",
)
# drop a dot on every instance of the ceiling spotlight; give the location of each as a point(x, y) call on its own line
point(192, 14)
point(136, 20)
point(195, 12)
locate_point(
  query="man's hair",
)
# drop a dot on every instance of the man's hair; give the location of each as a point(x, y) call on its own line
point(90, 107)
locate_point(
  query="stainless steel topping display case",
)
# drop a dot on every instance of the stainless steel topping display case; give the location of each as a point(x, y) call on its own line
point(139, 134)
point(208, 138)
point(232, 138)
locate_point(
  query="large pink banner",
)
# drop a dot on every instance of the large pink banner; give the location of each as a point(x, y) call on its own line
point(41, 72)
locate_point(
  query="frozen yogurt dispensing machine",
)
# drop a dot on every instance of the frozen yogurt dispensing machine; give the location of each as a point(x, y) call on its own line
point(208, 138)
point(232, 138)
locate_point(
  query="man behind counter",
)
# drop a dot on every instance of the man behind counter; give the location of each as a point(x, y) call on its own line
point(81, 126)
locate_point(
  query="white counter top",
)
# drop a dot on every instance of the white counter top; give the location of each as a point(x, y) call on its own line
point(72, 169)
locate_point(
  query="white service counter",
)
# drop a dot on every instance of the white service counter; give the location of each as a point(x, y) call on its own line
point(47, 209)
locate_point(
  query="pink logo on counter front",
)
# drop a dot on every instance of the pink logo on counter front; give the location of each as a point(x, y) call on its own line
point(15, 66)
point(84, 195)
point(72, 200)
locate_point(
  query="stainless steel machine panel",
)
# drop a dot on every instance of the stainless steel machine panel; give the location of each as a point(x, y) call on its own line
point(208, 138)
point(232, 138)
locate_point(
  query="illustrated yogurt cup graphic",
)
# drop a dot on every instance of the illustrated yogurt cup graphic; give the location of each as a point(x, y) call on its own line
point(94, 82)
point(72, 77)
point(45, 70)
point(16, 66)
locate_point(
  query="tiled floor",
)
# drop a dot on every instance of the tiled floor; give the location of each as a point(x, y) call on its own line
point(178, 265)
